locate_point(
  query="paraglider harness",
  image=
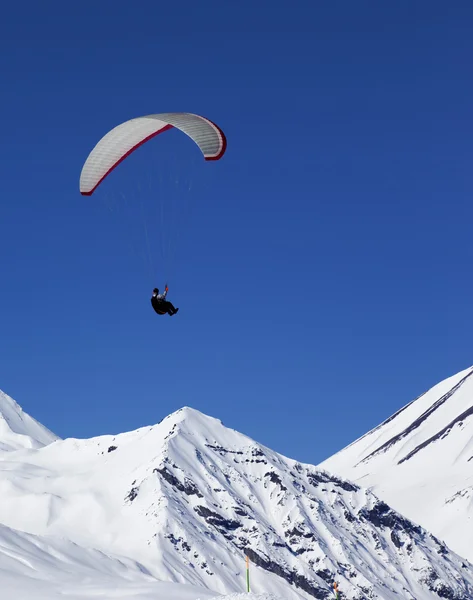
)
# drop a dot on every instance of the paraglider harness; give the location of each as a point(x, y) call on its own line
point(159, 301)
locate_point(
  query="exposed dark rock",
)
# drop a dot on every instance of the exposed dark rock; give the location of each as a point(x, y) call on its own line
point(439, 435)
point(348, 516)
point(199, 457)
point(418, 422)
point(188, 487)
point(176, 541)
point(441, 547)
point(223, 450)
point(438, 587)
point(296, 532)
point(299, 486)
point(221, 523)
point(112, 448)
point(132, 494)
point(274, 478)
point(300, 581)
point(395, 539)
point(326, 575)
point(171, 537)
point(257, 452)
point(171, 432)
point(280, 545)
point(381, 515)
point(318, 477)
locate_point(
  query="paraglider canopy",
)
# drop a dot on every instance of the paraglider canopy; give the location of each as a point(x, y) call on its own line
point(121, 141)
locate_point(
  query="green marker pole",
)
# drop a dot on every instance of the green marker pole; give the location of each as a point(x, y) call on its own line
point(247, 574)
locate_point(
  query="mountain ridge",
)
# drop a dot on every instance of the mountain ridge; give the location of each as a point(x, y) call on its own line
point(189, 498)
point(418, 460)
point(18, 429)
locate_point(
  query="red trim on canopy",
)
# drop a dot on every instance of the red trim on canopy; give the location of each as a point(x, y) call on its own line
point(224, 142)
point(122, 158)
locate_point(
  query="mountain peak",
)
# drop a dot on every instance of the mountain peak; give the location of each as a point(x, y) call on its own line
point(191, 500)
point(18, 430)
point(191, 416)
point(419, 460)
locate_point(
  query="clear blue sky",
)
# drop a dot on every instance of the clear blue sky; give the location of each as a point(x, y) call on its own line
point(324, 272)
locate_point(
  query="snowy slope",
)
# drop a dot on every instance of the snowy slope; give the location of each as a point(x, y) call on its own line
point(420, 461)
point(18, 429)
point(45, 568)
point(189, 498)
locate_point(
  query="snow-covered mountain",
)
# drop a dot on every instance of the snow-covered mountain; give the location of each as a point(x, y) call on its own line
point(420, 461)
point(18, 429)
point(189, 499)
point(41, 567)
point(48, 568)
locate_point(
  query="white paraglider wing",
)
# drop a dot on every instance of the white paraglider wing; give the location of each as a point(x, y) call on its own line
point(121, 141)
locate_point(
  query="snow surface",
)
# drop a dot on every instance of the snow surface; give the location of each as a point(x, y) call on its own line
point(183, 502)
point(18, 429)
point(420, 461)
point(33, 567)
